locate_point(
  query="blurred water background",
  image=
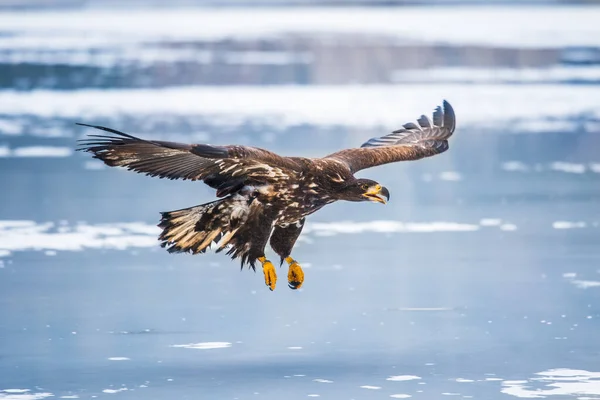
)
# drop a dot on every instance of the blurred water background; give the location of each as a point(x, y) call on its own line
point(480, 279)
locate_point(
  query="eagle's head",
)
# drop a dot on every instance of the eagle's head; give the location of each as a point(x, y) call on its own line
point(363, 190)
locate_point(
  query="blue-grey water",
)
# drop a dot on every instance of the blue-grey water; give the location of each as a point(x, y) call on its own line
point(479, 279)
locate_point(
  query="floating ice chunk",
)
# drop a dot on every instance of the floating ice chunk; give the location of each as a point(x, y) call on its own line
point(370, 387)
point(322, 380)
point(333, 228)
point(400, 396)
point(403, 378)
point(113, 391)
point(236, 105)
point(29, 235)
point(585, 284)
point(490, 222)
point(450, 176)
point(508, 227)
point(94, 165)
point(467, 74)
point(571, 168)
point(22, 394)
point(560, 382)
point(568, 225)
point(85, 28)
point(8, 127)
point(119, 358)
point(42, 151)
point(515, 166)
point(204, 345)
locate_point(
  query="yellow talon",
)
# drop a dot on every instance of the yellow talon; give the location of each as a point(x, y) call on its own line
point(269, 270)
point(295, 274)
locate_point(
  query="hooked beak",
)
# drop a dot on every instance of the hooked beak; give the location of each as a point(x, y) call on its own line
point(378, 193)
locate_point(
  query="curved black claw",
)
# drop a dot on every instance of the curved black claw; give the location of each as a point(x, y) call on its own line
point(294, 285)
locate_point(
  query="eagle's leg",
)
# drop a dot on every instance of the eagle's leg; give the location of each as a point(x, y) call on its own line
point(282, 241)
point(269, 271)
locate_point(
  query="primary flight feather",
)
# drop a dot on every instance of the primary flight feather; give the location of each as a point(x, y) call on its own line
point(263, 195)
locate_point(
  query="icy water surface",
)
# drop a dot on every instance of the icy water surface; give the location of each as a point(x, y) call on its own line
point(479, 279)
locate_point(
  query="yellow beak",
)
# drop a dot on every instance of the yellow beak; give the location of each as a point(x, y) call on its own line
point(378, 193)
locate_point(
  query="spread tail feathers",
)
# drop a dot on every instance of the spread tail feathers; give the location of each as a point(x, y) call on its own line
point(194, 229)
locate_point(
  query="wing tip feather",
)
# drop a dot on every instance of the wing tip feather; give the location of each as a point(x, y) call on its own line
point(449, 116)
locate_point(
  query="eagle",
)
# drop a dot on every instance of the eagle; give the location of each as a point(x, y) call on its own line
point(262, 196)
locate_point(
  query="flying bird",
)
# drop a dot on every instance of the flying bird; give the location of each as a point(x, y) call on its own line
point(263, 196)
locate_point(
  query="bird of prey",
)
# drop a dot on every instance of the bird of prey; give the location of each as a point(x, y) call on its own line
point(262, 195)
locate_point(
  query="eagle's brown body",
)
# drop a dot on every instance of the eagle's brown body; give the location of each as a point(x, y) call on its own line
point(263, 195)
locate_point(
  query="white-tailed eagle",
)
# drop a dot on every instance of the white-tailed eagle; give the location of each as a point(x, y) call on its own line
point(263, 195)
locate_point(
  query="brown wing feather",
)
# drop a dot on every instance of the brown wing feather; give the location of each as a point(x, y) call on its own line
point(218, 166)
point(411, 142)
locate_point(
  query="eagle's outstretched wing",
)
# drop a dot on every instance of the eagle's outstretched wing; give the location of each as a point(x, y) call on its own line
point(411, 142)
point(221, 167)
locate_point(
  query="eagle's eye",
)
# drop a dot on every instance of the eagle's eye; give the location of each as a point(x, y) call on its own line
point(364, 186)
